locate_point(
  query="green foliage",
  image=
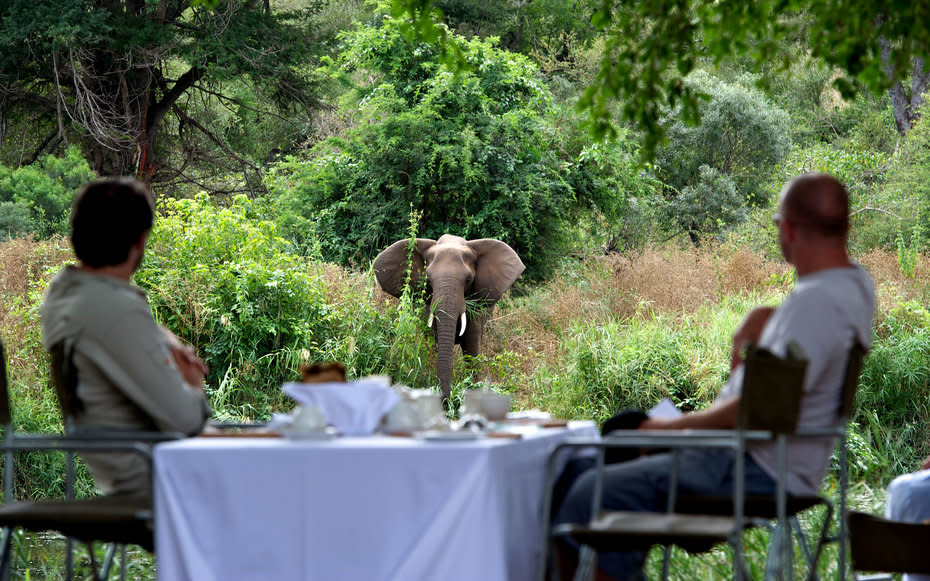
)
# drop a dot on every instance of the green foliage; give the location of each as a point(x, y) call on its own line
point(742, 135)
point(607, 367)
point(892, 410)
point(120, 79)
point(474, 153)
point(709, 203)
point(714, 170)
point(908, 252)
point(649, 49)
point(36, 199)
point(906, 194)
point(224, 281)
point(624, 198)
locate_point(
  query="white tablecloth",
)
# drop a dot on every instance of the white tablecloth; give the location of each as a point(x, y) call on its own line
point(367, 509)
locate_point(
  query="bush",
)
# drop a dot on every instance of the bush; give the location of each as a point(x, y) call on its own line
point(37, 198)
point(906, 193)
point(476, 154)
point(742, 136)
point(224, 281)
point(892, 411)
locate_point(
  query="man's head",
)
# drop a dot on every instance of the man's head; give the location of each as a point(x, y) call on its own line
point(813, 220)
point(110, 217)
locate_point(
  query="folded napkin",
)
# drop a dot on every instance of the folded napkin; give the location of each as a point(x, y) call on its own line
point(354, 408)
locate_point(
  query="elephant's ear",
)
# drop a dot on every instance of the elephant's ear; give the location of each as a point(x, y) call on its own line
point(497, 268)
point(391, 265)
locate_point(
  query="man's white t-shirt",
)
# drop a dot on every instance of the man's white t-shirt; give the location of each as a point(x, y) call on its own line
point(824, 313)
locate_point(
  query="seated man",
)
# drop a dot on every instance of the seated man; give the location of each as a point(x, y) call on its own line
point(831, 305)
point(131, 373)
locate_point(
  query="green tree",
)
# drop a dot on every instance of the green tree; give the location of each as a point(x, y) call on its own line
point(651, 47)
point(36, 199)
point(714, 170)
point(477, 154)
point(117, 77)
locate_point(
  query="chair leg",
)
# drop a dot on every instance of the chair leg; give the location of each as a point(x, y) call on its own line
point(587, 561)
point(812, 558)
point(822, 541)
point(124, 555)
point(666, 558)
point(6, 553)
point(69, 559)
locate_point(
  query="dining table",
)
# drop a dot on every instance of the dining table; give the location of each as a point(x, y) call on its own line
point(367, 508)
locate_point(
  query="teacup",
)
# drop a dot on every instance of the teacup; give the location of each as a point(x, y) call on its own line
point(308, 419)
point(492, 405)
point(417, 410)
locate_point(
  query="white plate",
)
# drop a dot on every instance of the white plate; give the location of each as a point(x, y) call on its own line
point(449, 436)
point(327, 434)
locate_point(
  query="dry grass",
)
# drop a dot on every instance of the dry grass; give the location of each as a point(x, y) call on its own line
point(891, 284)
point(26, 266)
point(668, 279)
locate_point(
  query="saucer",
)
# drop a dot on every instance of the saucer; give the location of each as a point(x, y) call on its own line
point(449, 436)
point(326, 434)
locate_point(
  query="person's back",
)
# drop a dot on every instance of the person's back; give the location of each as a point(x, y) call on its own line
point(131, 373)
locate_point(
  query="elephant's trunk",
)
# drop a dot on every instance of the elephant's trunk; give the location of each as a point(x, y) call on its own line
point(445, 342)
point(447, 310)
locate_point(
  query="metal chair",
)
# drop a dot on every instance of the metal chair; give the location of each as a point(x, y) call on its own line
point(117, 520)
point(697, 523)
point(762, 509)
point(769, 408)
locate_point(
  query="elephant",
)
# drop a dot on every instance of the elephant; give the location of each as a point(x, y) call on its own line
point(456, 270)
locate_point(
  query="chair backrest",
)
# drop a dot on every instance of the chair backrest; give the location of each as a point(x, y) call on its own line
point(772, 386)
point(5, 415)
point(65, 379)
point(878, 544)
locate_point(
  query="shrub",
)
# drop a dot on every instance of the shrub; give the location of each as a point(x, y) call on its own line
point(37, 198)
point(742, 136)
point(224, 281)
point(477, 154)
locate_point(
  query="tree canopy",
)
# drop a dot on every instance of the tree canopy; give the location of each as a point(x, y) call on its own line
point(650, 48)
point(118, 76)
point(476, 154)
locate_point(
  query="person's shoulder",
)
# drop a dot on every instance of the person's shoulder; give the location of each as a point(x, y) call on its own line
point(101, 296)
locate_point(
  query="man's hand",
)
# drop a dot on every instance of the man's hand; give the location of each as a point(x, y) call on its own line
point(192, 368)
point(925, 465)
point(748, 332)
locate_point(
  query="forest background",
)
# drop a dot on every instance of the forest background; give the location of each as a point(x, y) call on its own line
point(289, 142)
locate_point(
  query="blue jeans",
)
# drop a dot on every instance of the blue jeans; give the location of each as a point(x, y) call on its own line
point(642, 484)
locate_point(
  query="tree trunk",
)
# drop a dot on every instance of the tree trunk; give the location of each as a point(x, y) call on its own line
point(905, 103)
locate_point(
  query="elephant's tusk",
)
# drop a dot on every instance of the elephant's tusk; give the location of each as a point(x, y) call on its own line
point(429, 324)
point(462, 332)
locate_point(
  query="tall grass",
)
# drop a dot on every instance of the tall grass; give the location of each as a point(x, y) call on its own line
point(605, 333)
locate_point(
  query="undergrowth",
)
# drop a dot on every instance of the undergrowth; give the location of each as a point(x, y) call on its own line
point(604, 333)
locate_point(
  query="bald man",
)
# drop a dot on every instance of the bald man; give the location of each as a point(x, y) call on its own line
point(831, 306)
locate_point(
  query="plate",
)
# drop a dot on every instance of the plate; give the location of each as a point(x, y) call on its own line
point(327, 434)
point(449, 436)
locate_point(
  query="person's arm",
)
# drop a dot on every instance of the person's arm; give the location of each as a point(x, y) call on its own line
point(137, 358)
point(749, 331)
point(192, 368)
point(721, 415)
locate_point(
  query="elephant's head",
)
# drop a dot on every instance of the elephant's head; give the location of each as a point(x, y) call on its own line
point(456, 270)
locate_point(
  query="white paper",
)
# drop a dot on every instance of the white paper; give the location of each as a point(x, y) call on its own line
point(665, 409)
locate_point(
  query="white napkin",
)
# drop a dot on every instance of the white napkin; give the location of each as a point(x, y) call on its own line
point(354, 408)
